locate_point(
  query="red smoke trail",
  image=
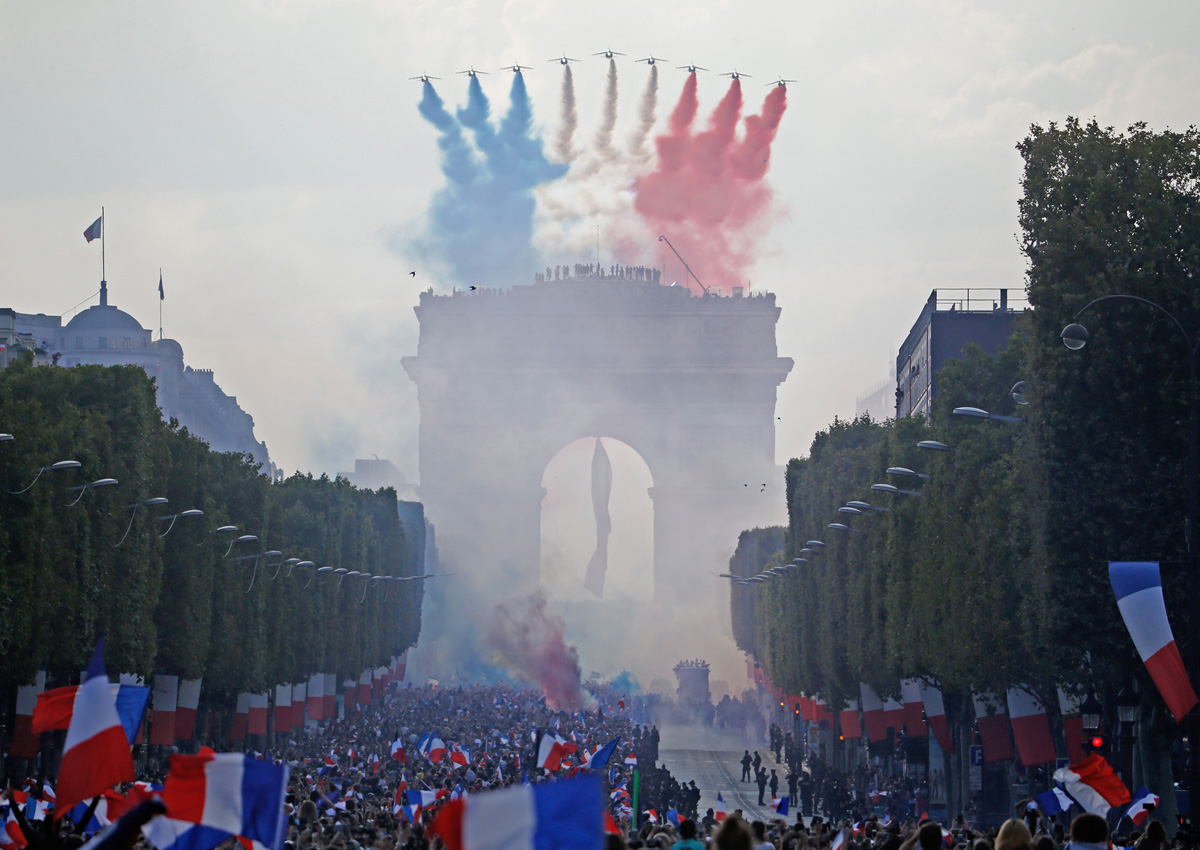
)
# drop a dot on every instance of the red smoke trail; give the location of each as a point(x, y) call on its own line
point(707, 191)
point(529, 642)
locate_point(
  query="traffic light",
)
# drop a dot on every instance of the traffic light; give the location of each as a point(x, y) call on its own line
point(1096, 744)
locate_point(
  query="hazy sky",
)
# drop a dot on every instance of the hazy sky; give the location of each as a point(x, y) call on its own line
point(264, 153)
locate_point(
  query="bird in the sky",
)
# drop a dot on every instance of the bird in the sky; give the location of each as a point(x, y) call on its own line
point(412, 274)
point(473, 288)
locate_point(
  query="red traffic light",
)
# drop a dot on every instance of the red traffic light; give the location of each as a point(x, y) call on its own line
point(1097, 742)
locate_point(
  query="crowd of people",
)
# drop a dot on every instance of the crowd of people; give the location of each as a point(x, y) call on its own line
point(351, 778)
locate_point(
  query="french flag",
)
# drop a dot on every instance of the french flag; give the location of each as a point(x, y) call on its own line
point(459, 756)
point(910, 696)
point(1068, 707)
point(364, 688)
point(25, 744)
point(893, 714)
point(1031, 728)
point(848, 716)
point(398, 751)
point(95, 229)
point(719, 811)
point(1144, 801)
point(299, 700)
point(185, 708)
point(229, 792)
point(256, 723)
point(241, 717)
point(316, 698)
point(1094, 785)
point(993, 728)
point(935, 714)
point(550, 752)
point(631, 760)
point(821, 714)
point(96, 753)
point(432, 747)
point(162, 718)
point(780, 805)
point(283, 708)
point(873, 715)
point(330, 696)
point(839, 840)
point(598, 759)
point(12, 836)
point(1138, 588)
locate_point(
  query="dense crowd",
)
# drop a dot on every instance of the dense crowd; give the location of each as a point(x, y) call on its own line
point(351, 778)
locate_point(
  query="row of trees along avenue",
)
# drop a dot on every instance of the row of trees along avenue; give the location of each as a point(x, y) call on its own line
point(997, 575)
point(175, 604)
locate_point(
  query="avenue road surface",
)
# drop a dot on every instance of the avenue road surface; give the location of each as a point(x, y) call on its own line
point(713, 757)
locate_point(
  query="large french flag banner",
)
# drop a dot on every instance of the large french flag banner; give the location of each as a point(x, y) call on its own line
point(241, 717)
point(299, 700)
point(364, 688)
point(283, 708)
point(25, 744)
point(1031, 728)
point(935, 713)
point(872, 712)
point(256, 723)
point(1138, 587)
point(229, 792)
point(526, 817)
point(993, 728)
point(893, 714)
point(186, 707)
point(316, 696)
point(1144, 801)
point(96, 754)
point(821, 713)
point(162, 717)
point(1094, 785)
point(1068, 708)
point(330, 696)
point(848, 716)
point(914, 705)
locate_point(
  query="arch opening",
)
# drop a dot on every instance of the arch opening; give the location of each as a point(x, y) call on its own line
point(569, 540)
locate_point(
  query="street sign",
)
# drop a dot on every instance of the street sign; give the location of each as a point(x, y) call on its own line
point(975, 772)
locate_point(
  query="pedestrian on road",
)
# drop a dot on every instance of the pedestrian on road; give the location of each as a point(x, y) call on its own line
point(746, 766)
point(757, 761)
point(761, 779)
point(774, 783)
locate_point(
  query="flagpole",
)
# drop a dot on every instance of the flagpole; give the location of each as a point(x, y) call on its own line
point(160, 301)
point(103, 234)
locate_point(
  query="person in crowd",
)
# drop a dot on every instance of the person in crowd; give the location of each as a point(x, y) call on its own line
point(1014, 835)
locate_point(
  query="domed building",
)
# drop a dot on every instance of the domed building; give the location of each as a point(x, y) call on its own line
point(107, 336)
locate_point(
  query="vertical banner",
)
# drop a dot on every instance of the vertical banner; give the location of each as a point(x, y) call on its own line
point(299, 700)
point(241, 718)
point(364, 688)
point(330, 696)
point(162, 718)
point(185, 709)
point(910, 696)
point(316, 697)
point(257, 721)
point(283, 708)
point(25, 744)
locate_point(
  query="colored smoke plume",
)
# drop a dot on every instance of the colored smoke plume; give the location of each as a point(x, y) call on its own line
point(564, 144)
point(647, 115)
point(707, 191)
point(529, 642)
point(480, 224)
point(608, 119)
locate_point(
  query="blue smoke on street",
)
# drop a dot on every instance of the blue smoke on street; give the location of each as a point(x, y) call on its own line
point(480, 224)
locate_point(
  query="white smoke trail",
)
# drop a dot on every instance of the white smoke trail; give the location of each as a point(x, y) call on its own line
point(564, 148)
point(647, 115)
point(608, 121)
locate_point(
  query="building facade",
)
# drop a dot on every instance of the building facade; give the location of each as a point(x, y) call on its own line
point(107, 336)
point(950, 319)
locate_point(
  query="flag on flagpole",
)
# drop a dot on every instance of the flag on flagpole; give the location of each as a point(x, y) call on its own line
point(780, 805)
point(231, 792)
point(95, 229)
point(1055, 801)
point(161, 296)
point(719, 810)
point(1144, 801)
point(1138, 588)
point(96, 754)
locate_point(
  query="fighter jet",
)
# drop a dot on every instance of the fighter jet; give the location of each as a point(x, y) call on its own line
point(516, 69)
point(424, 78)
point(471, 72)
point(563, 60)
point(735, 74)
point(781, 82)
point(691, 69)
point(651, 59)
point(608, 54)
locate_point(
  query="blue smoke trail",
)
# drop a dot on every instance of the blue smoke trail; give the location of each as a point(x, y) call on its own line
point(481, 223)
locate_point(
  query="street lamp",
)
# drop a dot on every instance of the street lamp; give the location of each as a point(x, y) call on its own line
point(1075, 335)
point(905, 471)
point(224, 529)
point(1020, 392)
point(245, 538)
point(934, 446)
point(91, 485)
point(894, 490)
point(191, 512)
point(980, 413)
point(841, 526)
point(815, 544)
point(62, 464)
point(1089, 714)
point(149, 503)
point(865, 506)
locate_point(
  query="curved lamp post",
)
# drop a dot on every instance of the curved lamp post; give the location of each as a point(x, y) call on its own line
point(92, 485)
point(149, 503)
point(980, 413)
point(225, 529)
point(62, 464)
point(191, 512)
